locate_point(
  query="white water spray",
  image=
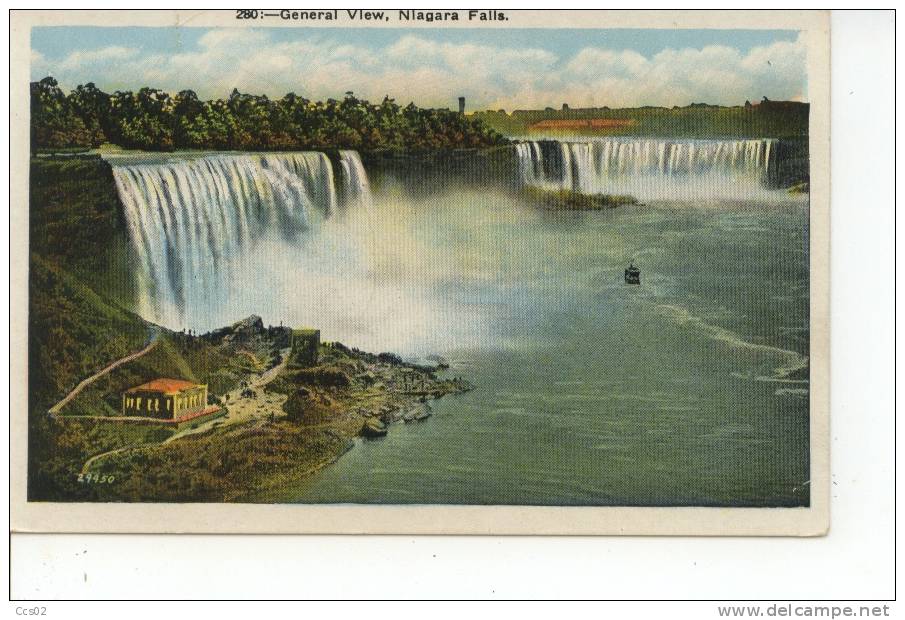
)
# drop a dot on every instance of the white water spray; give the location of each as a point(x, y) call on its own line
point(195, 224)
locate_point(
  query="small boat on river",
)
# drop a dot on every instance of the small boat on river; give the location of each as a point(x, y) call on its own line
point(632, 274)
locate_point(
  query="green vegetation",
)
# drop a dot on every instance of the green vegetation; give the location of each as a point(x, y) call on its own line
point(79, 291)
point(73, 332)
point(61, 446)
point(76, 222)
point(575, 201)
point(235, 463)
point(177, 356)
point(767, 119)
point(152, 120)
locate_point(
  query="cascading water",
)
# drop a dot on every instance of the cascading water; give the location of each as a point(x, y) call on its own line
point(356, 190)
point(197, 223)
point(647, 168)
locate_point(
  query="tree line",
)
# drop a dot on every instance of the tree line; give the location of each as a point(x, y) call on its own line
point(151, 119)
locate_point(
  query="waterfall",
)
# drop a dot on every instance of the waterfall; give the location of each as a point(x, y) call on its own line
point(356, 191)
point(195, 223)
point(646, 168)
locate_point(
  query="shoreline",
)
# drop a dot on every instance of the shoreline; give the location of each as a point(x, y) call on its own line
point(291, 422)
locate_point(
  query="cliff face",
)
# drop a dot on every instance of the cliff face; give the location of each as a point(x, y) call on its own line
point(80, 281)
point(794, 164)
point(76, 222)
point(427, 171)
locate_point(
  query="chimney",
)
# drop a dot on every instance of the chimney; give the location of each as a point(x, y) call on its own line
point(461, 105)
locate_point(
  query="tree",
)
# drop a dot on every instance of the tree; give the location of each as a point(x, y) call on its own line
point(53, 123)
point(151, 119)
point(92, 105)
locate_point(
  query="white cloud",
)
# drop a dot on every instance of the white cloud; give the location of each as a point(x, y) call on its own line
point(88, 59)
point(432, 73)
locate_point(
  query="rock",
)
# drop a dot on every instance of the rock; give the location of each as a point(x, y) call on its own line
point(374, 428)
point(327, 376)
point(308, 406)
point(251, 325)
point(418, 413)
point(423, 415)
point(242, 331)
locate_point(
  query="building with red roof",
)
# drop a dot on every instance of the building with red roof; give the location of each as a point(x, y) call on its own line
point(168, 399)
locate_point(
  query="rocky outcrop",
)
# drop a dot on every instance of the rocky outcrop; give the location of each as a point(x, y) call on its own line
point(240, 332)
point(310, 406)
point(373, 428)
point(325, 376)
point(251, 336)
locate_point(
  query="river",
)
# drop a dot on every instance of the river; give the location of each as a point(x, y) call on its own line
point(687, 390)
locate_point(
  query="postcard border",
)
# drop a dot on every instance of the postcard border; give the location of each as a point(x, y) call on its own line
point(459, 519)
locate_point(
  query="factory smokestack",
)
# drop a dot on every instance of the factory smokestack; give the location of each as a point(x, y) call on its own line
point(461, 105)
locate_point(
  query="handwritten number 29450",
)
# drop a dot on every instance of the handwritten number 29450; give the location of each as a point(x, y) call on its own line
point(96, 479)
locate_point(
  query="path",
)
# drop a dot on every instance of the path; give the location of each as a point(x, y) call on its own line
point(87, 466)
point(241, 409)
point(123, 360)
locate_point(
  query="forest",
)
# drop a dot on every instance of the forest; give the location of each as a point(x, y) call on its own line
point(153, 120)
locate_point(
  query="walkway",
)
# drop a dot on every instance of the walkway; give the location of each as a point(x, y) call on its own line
point(243, 409)
point(124, 360)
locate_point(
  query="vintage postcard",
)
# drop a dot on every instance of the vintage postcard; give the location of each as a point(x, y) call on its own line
point(404, 271)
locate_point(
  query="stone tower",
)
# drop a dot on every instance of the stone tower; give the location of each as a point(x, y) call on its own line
point(461, 105)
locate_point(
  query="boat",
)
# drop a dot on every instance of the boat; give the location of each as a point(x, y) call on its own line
point(632, 274)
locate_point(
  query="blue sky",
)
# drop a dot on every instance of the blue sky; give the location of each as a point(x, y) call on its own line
point(493, 68)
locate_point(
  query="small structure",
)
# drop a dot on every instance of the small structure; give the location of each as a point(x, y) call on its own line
point(461, 105)
point(305, 345)
point(171, 400)
point(632, 275)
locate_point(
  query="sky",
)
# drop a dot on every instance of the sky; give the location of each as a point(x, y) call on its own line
point(492, 68)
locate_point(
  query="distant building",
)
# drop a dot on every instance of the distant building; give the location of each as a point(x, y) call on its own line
point(461, 105)
point(306, 345)
point(168, 399)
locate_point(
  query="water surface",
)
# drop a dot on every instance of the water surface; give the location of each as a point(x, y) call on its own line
point(690, 389)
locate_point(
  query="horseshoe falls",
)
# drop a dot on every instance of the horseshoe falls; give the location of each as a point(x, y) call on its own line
point(649, 168)
point(208, 231)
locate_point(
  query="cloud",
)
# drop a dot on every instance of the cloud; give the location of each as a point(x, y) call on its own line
point(88, 59)
point(432, 73)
